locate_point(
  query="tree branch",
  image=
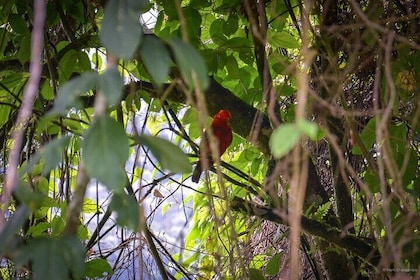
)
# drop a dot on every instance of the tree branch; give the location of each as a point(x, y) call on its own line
point(359, 246)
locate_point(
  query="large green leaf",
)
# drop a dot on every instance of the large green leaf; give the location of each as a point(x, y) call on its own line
point(194, 23)
point(105, 151)
point(111, 84)
point(67, 65)
point(190, 63)
point(256, 274)
point(283, 139)
point(170, 156)
point(284, 40)
point(367, 136)
point(98, 268)
point(310, 129)
point(68, 95)
point(121, 31)
point(61, 258)
point(273, 265)
point(156, 58)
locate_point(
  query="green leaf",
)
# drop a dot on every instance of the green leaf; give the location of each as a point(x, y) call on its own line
point(98, 268)
point(216, 31)
point(232, 67)
point(284, 40)
point(111, 85)
point(273, 265)
point(89, 206)
point(57, 225)
point(256, 274)
point(170, 156)
point(29, 197)
point(67, 65)
point(367, 136)
point(247, 56)
point(39, 229)
point(283, 139)
point(121, 31)
point(25, 49)
point(239, 44)
point(190, 63)
point(18, 24)
point(322, 210)
point(310, 129)
point(258, 261)
point(105, 151)
point(68, 95)
point(127, 210)
point(193, 21)
point(156, 58)
point(61, 258)
point(230, 26)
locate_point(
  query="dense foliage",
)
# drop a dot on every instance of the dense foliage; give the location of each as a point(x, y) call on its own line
point(102, 104)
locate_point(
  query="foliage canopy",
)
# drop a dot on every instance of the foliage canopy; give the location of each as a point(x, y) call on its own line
point(100, 113)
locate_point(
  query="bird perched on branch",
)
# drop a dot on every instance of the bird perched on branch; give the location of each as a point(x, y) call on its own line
point(222, 134)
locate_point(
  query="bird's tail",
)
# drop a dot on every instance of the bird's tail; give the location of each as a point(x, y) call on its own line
point(197, 172)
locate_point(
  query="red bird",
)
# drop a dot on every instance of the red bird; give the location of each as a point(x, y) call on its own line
point(222, 133)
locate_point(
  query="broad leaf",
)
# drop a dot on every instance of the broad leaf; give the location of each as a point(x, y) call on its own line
point(111, 84)
point(256, 274)
point(156, 58)
point(367, 136)
point(190, 63)
point(283, 139)
point(121, 31)
point(105, 151)
point(284, 40)
point(61, 258)
point(68, 95)
point(170, 156)
point(98, 268)
point(273, 266)
point(310, 129)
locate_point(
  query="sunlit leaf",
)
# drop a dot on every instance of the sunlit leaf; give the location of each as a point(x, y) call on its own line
point(283, 39)
point(283, 139)
point(170, 156)
point(105, 151)
point(98, 268)
point(310, 129)
point(90, 206)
